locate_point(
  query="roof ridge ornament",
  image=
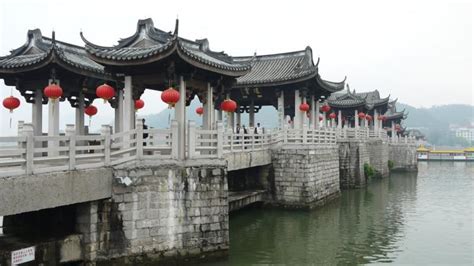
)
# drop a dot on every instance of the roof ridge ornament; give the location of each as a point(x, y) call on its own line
point(176, 27)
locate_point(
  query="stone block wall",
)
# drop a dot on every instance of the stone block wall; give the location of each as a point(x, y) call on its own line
point(305, 176)
point(403, 156)
point(378, 157)
point(167, 211)
point(352, 157)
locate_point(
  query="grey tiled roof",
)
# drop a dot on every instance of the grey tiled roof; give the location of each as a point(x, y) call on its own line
point(39, 50)
point(154, 44)
point(276, 68)
point(350, 99)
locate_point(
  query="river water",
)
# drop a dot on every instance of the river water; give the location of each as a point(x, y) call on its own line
point(408, 218)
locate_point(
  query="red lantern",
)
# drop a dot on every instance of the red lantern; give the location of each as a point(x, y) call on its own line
point(361, 115)
point(53, 91)
point(304, 107)
point(139, 104)
point(325, 108)
point(320, 118)
point(368, 117)
point(105, 92)
point(228, 106)
point(199, 110)
point(11, 103)
point(397, 127)
point(332, 115)
point(170, 96)
point(90, 110)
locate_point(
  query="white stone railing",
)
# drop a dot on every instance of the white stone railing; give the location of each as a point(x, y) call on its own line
point(310, 136)
point(235, 142)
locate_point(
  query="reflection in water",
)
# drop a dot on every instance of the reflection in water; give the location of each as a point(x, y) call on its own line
point(400, 219)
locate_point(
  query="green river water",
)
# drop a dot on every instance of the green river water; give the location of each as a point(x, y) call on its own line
point(408, 218)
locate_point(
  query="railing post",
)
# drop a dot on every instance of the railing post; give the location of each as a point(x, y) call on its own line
point(174, 139)
point(71, 133)
point(285, 134)
point(105, 131)
point(191, 139)
point(220, 139)
point(28, 131)
point(139, 137)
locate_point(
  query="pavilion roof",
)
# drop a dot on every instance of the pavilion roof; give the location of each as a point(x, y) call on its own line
point(149, 44)
point(354, 99)
point(39, 51)
point(283, 68)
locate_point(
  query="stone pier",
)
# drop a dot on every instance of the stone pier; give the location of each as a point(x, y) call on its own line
point(378, 157)
point(305, 177)
point(403, 156)
point(353, 155)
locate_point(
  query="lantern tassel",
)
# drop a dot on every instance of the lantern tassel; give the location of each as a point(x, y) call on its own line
point(10, 122)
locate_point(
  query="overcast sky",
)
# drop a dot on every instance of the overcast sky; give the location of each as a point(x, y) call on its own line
point(417, 51)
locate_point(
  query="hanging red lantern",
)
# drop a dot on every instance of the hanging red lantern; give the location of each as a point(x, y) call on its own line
point(105, 92)
point(90, 110)
point(11, 103)
point(325, 108)
point(199, 110)
point(170, 96)
point(361, 115)
point(53, 91)
point(139, 104)
point(332, 115)
point(368, 117)
point(320, 118)
point(228, 105)
point(304, 107)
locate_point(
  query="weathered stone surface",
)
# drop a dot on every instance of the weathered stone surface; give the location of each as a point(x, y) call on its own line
point(403, 156)
point(378, 156)
point(352, 157)
point(305, 176)
point(43, 191)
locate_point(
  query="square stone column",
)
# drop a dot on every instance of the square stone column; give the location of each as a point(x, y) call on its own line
point(339, 119)
point(118, 126)
point(37, 113)
point(316, 119)
point(208, 107)
point(180, 116)
point(297, 118)
point(128, 105)
point(356, 119)
point(281, 110)
point(53, 123)
point(312, 120)
point(79, 125)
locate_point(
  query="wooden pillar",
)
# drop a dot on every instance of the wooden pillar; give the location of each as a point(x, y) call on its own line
point(37, 113)
point(297, 118)
point(118, 126)
point(252, 114)
point(180, 116)
point(79, 125)
point(281, 110)
point(128, 105)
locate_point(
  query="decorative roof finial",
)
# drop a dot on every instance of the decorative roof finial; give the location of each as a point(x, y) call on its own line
point(53, 37)
point(176, 27)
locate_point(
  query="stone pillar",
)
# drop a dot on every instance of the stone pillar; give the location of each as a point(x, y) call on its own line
point(128, 105)
point(303, 115)
point(281, 110)
point(180, 114)
point(356, 119)
point(376, 121)
point(297, 118)
point(208, 108)
point(79, 125)
point(37, 113)
point(252, 114)
point(393, 130)
point(118, 126)
point(316, 119)
point(312, 121)
point(238, 119)
point(53, 123)
point(339, 119)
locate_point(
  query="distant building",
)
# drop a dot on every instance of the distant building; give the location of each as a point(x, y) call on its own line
point(466, 133)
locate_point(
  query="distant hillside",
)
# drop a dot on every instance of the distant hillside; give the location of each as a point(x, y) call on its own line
point(433, 122)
